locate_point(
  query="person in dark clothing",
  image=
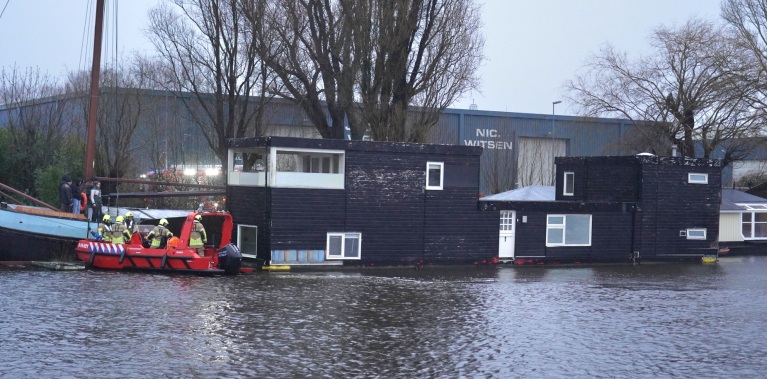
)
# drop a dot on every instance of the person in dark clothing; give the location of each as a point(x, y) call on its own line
point(94, 201)
point(76, 195)
point(65, 193)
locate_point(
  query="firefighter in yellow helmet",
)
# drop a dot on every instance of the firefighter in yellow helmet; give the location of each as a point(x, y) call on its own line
point(159, 235)
point(198, 238)
point(120, 233)
point(105, 228)
point(130, 223)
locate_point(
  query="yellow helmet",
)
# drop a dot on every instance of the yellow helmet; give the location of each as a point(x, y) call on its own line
point(119, 219)
point(129, 214)
point(198, 217)
point(106, 218)
point(163, 222)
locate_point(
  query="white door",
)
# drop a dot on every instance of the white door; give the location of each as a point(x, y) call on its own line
point(506, 241)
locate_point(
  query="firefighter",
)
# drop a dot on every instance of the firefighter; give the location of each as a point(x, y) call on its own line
point(105, 228)
point(130, 223)
point(198, 237)
point(120, 233)
point(159, 235)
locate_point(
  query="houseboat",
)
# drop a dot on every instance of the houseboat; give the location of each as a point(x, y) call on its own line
point(299, 201)
point(613, 209)
point(742, 223)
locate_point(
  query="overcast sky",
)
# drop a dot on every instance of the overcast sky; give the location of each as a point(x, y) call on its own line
point(532, 46)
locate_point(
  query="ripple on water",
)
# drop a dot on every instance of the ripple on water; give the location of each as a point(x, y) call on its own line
point(602, 321)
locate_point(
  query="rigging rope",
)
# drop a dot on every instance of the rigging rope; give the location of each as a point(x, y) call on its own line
point(6, 6)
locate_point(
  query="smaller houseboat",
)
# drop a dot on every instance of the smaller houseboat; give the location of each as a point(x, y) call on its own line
point(614, 209)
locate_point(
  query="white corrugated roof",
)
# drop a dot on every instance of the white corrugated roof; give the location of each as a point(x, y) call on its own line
point(532, 193)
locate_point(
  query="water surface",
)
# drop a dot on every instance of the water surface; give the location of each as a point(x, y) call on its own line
point(671, 320)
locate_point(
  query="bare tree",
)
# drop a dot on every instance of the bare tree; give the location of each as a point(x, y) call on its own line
point(692, 88)
point(748, 19)
point(386, 68)
point(307, 44)
point(414, 53)
point(206, 52)
point(535, 161)
point(121, 105)
point(39, 127)
point(497, 169)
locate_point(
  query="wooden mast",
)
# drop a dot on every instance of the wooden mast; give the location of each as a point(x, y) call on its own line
point(93, 106)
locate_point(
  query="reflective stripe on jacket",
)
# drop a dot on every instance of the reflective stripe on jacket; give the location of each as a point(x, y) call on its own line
point(106, 232)
point(120, 234)
point(157, 234)
point(198, 237)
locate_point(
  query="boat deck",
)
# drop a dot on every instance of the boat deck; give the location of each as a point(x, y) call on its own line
point(48, 212)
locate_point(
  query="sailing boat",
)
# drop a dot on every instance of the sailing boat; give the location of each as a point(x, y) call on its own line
point(44, 233)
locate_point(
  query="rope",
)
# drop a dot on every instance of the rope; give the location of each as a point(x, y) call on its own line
point(87, 31)
point(6, 6)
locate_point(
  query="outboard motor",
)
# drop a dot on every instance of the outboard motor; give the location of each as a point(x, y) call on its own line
point(230, 259)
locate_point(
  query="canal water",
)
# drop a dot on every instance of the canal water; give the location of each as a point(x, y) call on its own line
point(652, 320)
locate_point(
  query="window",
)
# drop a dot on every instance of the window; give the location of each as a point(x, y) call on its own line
point(697, 178)
point(434, 175)
point(696, 234)
point(247, 240)
point(569, 185)
point(325, 164)
point(344, 245)
point(568, 230)
point(306, 168)
point(754, 225)
point(752, 207)
point(507, 220)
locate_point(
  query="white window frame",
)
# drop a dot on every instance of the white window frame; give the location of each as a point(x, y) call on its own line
point(697, 178)
point(753, 207)
point(752, 226)
point(696, 233)
point(571, 182)
point(343, 237)
point(240, 232)
point(441, 166)
point(507, 221)
point(563, 227)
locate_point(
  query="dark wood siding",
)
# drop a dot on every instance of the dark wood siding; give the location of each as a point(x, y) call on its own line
point(250, 205)
point(530, 236)
point(456, 230)
point(385, 201)
point(610, 232)
point(599, 179)
point(301, 218)
point(670, 204)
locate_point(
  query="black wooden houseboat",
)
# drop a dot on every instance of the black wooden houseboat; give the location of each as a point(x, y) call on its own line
point(298, 201)
point(614, 209)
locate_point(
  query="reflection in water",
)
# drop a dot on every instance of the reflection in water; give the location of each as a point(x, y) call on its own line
point(591, 321)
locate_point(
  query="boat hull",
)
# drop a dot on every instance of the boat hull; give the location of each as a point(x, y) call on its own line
point(33, 234)
point(20, 246)
point(111, 256)
point(133, 257)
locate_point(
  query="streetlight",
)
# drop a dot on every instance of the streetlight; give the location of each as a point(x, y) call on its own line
point(553, 103)
point(553, 148)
